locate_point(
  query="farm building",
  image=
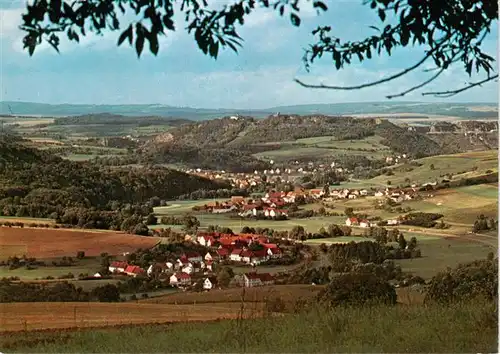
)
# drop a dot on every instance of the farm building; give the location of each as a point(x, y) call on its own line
point(180, 279)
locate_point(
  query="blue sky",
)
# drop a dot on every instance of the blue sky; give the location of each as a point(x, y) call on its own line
point(261, 75)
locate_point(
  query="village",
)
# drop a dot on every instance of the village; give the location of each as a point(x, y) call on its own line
point(279, 205)
point(192, 269)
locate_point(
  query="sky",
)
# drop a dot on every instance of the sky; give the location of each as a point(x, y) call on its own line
point(96, 71)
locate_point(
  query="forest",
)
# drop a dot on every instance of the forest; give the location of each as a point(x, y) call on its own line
point(38, 184)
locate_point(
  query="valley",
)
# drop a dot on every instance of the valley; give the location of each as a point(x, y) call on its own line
point(153, 220)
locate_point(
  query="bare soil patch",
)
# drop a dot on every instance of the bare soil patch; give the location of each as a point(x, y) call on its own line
point(50, 243)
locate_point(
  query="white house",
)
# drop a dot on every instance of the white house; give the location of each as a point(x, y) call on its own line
point(235, 255)
point(363, 192)
point(209, 283)
point(188, 268)
point(118, 267)
point(253, 279)
point(274, 252)
point(180, 279)
point(210, 256)
point(352, 221)
point(379, 194)
point(364, 223)
point(393, 222)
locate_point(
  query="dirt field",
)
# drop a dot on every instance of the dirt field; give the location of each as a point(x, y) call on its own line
point(40, 315)
point(50, 243)
point(258, 294)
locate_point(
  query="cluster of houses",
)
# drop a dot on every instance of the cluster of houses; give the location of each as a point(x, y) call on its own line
point(238, 248)
point(247, 249)
point(274, 204)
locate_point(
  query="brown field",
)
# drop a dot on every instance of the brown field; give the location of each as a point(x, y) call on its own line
point(288, 293)
point(57, 315)
point(50, 243)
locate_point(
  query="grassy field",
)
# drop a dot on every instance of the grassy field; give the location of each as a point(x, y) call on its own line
point(50, 243)
point(51, 315)
point(480, 161)
point(439, 254)
point(401, 329)
point(288, 293)
point(83, 266)
point(27, 220)
point(325, 146)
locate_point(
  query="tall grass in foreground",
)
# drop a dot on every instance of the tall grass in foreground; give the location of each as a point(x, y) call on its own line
point(457, 328)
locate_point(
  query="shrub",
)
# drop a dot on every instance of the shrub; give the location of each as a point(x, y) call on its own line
point(478, 279)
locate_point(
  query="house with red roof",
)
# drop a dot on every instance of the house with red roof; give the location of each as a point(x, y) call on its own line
point(206, 240)
point(211, 256)
point(235, 255)
point(273, 212)
point(118, 267)
point(192, 256)
point(223, 252)
point(253, 257)
point(180, 279)
point(352, 221)
point(134, 271)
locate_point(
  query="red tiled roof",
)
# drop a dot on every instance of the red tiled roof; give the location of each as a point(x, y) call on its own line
point(264, 277)
point(226, 241)
point(118, 264)
point(270, 245)
point(353, 219)
point(252, 276)
point(191, 255)
point(246, 253)
point(260, 253)
point(182, 275)
point(237, 251)
point(134, 269)
point(223, 251)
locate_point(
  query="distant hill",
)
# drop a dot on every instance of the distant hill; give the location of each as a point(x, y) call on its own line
point(462, 110)
point(230, 142)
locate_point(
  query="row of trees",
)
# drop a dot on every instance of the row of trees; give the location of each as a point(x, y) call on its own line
point(56, 292)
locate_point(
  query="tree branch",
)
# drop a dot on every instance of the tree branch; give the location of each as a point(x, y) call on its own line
point(373, 83)
point(450, 93)
point(417, 86)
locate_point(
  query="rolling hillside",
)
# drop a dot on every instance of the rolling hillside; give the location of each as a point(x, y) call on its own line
point(462, 110)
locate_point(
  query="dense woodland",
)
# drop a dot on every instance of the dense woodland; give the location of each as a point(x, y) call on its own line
point(38, 184)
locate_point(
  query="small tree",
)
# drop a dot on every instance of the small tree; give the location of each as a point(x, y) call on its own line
point(349, 212)
point(151, 219)
point(224, 276)
point(402, 242)
point(80, 254)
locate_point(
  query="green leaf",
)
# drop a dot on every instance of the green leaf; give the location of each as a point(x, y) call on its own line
point(214, 50)
point(153, 43)
point(336, 58)
point(295, 19)
point(381, 14)
point(128, 33)
point(321, 5)
point(139, 42)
